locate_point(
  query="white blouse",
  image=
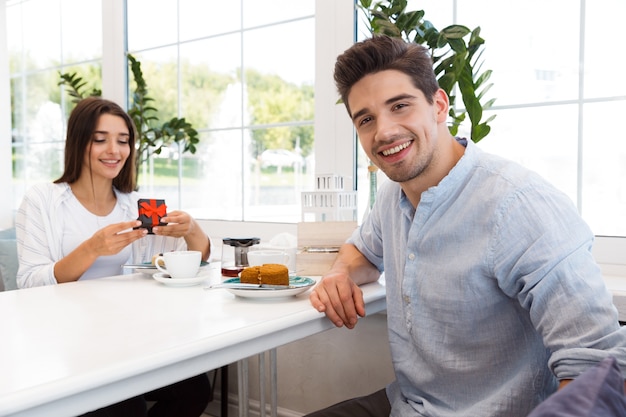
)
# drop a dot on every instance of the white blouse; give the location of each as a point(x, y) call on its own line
point(50, 224)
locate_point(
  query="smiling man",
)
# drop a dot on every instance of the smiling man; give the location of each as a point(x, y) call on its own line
point(493, 296)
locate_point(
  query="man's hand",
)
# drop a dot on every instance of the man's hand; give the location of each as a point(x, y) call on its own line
point(339, 298)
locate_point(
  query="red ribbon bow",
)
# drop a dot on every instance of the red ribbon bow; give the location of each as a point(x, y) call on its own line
point(151, 210)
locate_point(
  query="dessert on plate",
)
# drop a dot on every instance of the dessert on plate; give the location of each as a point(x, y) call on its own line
point(270, 274)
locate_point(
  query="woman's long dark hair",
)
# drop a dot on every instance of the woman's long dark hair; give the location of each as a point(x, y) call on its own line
point(80, 129)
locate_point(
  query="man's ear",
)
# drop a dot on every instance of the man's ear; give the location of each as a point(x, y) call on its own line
point(442, 104)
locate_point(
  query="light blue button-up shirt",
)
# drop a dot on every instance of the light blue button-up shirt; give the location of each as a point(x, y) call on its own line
point(492, 291)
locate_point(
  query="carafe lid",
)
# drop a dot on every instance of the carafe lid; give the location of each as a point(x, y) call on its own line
point(241, 241)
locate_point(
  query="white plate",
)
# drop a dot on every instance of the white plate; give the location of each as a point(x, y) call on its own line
point(297, 285)
point(150, 269)
point(180, 282)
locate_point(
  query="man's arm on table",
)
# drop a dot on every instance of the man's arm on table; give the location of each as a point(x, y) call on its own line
point(338, 294)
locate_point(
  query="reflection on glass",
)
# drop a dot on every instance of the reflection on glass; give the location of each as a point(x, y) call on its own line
point(41, 50)
point(226, 92)
point(530, 71)
point(34, 163)
point(18, 97)
point(69, 35)
point(91, 74)
point(436, 11)
point(199, 19)
point(216, 192)
point(166, 174)
point(280, 166)
point(210, 82)
point(151, 23)
point(41, 89)
point(527, 66)
point(15, 40)
point(39, 105)
point(604, 20)
point(282, 50)
point(530, 137)
point(44, 161)
point(604, 169)
point(160, 72)
point(81, 30)
point(257, 13)
point(38, 132)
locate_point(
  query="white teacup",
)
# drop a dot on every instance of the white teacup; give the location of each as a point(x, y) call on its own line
point(267, 256)
point(180, 264)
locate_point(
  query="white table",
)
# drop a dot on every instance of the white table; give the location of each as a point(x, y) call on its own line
point(69, 348)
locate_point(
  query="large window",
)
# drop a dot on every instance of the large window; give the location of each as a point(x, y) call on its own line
point(71, 42)
point(244, 73)
point(559, 93)
point(243, 76)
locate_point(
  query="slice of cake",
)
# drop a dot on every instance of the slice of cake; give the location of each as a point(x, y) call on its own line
point(271, 274)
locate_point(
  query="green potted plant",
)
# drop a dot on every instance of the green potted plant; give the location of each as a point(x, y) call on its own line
point(152, 136)
point(456, 52)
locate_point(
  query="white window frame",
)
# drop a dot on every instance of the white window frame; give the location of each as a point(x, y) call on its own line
point(6, 168)
point(335, 144)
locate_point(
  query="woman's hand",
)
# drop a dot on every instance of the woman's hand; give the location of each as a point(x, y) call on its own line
point(111, 239)
point(181, 224)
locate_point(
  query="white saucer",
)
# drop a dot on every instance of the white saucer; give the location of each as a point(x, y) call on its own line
point(149, 269)
point(180, 282)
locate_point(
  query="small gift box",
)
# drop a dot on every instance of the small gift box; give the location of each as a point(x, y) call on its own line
point(151, 211)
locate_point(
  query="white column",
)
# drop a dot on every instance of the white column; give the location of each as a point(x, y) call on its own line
point(114, 63)
point(6, 167)
point(335, 145)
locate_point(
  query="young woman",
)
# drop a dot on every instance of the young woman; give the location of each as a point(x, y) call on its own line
point(81, 227)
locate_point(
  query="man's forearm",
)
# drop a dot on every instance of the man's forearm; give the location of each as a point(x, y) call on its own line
point(358, 267)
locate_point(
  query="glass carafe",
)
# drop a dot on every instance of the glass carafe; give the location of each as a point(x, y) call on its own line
point(235, 254)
